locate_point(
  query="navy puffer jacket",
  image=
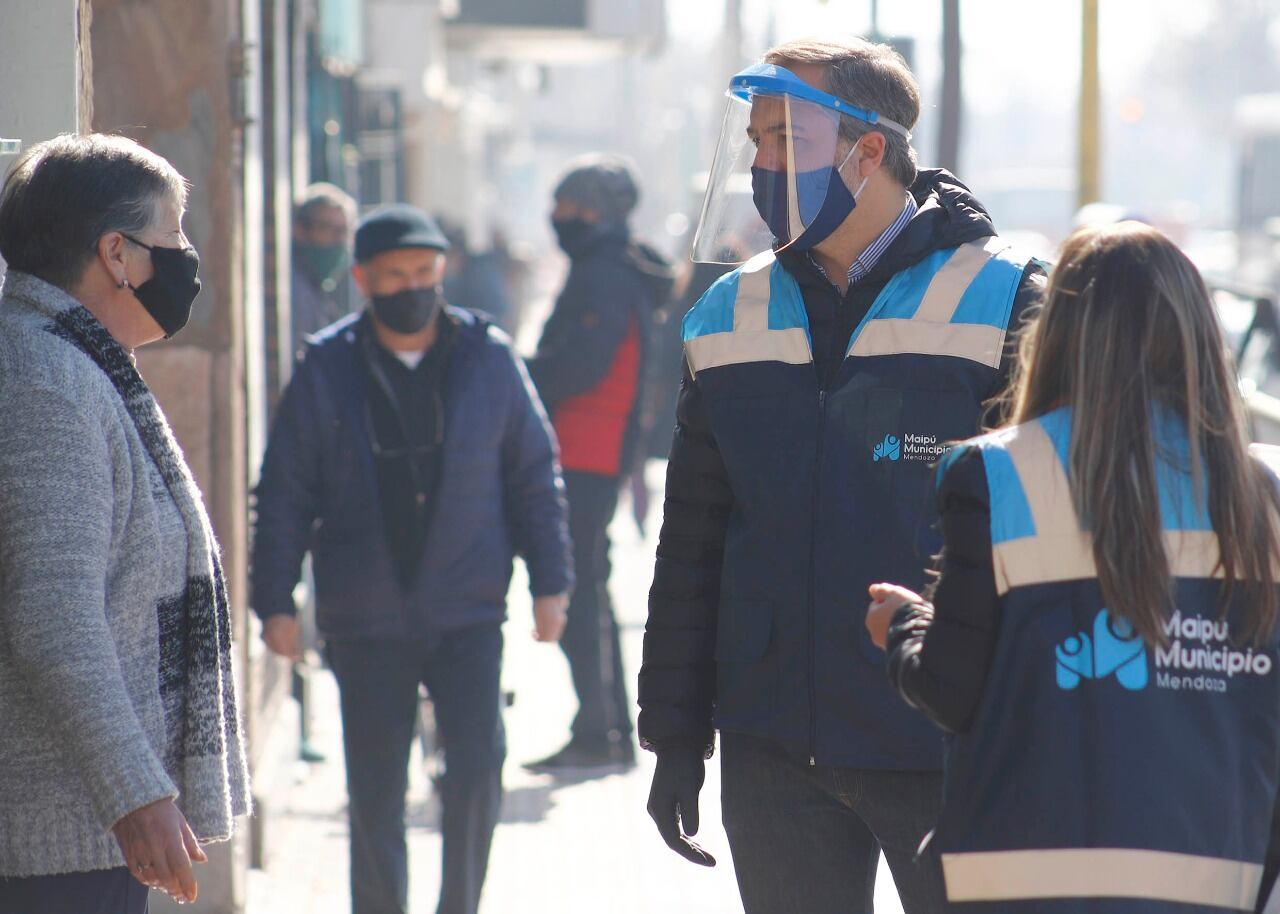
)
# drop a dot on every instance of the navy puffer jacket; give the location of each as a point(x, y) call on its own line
point(500, 494)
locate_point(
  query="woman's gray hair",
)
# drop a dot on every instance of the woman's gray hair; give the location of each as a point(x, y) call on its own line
point(870, 76)
point(66, 193)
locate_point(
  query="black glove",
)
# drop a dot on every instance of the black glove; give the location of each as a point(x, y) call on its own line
point(673, 800)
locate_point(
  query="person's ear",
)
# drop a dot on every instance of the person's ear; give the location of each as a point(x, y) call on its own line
point(870, 155)
point(361, 278)
point(437, 275)
point(111, 248)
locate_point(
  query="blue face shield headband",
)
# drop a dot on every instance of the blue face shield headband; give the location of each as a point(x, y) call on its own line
point(818, 197)
point(769, 79)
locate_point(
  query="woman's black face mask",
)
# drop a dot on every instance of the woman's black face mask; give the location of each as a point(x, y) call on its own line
point(169, 295)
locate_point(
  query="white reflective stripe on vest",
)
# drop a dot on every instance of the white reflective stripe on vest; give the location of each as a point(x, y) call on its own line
point(976, 342)
point(751, 340)
point(742, 346)
point(930, 331)
point(1101, 873)
point(1060, 550)
point(751, 303)
point(950, 282)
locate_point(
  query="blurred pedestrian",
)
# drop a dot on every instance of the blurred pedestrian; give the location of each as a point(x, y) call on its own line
point(822, 376)
point(121, 750)
point(477, 278)
point(1101, 643)
point(321, 287)
point(590, 369)
point(411, 457)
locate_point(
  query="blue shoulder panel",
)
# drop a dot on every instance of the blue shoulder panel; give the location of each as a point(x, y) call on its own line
point(989, 298)
point(901, 296)
point(1010, 513)
point(713, 312)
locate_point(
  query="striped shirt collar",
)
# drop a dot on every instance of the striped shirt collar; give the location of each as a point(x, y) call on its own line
point(868, 258)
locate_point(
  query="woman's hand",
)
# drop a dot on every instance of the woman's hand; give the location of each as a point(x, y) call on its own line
point(159, 846)
point(886, 599)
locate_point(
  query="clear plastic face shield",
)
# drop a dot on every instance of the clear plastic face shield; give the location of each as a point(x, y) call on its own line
point(776, 179)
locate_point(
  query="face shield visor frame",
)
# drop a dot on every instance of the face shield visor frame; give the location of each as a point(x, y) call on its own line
point(781, 146)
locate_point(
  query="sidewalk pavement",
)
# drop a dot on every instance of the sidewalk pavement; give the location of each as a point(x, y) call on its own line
point(560, 846)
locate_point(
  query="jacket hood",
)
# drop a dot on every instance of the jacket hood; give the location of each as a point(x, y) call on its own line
point(960, 217)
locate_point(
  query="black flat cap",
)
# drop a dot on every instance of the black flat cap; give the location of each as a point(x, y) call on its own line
point(399, 225)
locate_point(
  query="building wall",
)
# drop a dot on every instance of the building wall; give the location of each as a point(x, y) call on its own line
point(44, 49)
point(172, 74)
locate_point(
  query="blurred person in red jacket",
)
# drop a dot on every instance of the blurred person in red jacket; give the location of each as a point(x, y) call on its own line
point(590, 370)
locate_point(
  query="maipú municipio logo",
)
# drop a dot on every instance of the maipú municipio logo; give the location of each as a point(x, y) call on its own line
point(1114, 648)
point(888, 449)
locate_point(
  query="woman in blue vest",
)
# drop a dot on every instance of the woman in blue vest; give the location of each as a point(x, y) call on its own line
point(1100, 643)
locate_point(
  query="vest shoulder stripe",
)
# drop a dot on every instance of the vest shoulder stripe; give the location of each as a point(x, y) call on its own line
point(1010, 513)
point(1054, 559)
point(751, 303)
point(951, 282)
point(976, 342)
point(988, 299)
point(719, 349)
point(1101, 873)
point(970, 286)
point(753, 314)
point(1036, 535)
point(713, 312)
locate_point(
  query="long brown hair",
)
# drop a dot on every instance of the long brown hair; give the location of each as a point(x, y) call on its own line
point(1128, 331)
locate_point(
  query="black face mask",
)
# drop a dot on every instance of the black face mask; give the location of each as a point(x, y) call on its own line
point(574, 234)
point(169, 295)
point(407, 311)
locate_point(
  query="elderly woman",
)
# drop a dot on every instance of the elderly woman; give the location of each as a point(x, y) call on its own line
point(120, 750)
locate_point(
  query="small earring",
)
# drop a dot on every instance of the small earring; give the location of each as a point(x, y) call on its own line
point(122, 283)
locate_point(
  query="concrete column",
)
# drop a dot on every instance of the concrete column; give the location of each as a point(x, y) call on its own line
point(175, 75)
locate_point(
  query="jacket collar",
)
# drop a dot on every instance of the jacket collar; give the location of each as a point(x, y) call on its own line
point(948, 216)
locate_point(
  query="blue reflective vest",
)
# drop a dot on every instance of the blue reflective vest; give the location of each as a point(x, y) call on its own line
point(1100, 767)
point(832, 487)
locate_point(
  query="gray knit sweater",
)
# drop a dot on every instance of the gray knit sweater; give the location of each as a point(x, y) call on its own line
point(115, 678)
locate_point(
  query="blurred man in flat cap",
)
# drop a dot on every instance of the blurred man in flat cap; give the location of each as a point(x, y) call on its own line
point(412, 458)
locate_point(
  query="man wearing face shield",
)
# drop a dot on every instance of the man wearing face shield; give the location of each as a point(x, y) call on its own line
point(411, 457)
point(823, 379)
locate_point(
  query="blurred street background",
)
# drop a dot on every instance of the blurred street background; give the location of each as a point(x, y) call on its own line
point(1054, 114)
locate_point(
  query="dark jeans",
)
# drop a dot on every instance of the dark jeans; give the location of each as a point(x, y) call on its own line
point(96, 892)
point(809, 838)
point(591, 637)
point(378, 680)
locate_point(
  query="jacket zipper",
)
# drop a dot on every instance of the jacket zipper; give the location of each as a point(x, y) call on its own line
point(813, 585)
